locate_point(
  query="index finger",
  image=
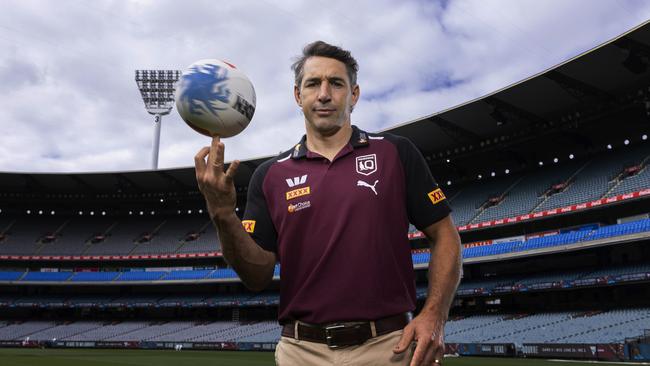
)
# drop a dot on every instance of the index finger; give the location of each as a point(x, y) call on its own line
point(215, 158)
point(199, 161)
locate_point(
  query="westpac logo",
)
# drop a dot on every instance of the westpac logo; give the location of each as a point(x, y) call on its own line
point(296, 181)
point(366, 164)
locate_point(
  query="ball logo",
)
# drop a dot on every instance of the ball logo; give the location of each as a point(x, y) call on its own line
point(205, 83)
point(366, 164)
point(245, 108)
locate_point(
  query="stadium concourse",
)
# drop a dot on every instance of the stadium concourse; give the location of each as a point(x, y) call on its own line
point(548, 180)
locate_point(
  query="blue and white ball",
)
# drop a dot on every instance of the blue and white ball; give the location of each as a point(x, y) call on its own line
point(215, 98)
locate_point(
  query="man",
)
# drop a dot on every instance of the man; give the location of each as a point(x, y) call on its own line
point(334, 210)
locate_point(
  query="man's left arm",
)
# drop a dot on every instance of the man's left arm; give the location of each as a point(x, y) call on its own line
point(427, 329)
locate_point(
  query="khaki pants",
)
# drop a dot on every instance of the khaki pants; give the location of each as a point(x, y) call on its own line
point(376, 351)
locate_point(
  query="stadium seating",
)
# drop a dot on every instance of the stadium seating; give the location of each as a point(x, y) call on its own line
point(596, 179)
point(94, 276)
point(141, 276)
point(526, 195)
point(466, 203)
point(564, 327)
point(603, 327)
point(419, 257)
point(103, 235)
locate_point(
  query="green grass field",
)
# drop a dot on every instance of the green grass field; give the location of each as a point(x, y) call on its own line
point(96, 357)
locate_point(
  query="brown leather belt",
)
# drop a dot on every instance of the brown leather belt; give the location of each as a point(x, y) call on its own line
point(337, 335)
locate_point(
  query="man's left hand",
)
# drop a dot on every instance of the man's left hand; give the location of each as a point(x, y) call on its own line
point(428, 330)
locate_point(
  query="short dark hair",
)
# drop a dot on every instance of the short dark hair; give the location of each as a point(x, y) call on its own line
point(323, 49)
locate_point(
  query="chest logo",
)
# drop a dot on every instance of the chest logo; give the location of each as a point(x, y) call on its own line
point(361, 183)
point(298, 192)
point(298, 206)
point(366, 164)
point(296, 181)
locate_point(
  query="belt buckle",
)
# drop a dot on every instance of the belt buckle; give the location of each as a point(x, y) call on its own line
point(329, 336)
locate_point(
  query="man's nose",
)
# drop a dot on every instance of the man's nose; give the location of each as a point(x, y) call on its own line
point(324, 94)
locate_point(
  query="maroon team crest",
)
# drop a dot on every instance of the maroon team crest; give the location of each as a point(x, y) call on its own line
point(366, 164)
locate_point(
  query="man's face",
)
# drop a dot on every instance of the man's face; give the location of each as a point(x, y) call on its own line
point(325, 95)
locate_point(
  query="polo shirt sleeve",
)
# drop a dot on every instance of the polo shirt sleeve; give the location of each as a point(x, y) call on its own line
point(426, 203)
point(257, 219)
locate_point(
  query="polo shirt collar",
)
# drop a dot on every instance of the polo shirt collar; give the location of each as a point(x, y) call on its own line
point(359, 138)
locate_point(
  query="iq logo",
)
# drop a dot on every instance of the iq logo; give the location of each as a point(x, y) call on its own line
point(366, 164)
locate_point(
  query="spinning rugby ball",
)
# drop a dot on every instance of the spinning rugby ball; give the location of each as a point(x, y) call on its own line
point(215, 98)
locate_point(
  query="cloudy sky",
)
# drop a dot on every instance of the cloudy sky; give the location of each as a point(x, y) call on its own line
point(69, 101)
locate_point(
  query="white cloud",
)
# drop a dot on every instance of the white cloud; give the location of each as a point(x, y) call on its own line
point(70, 102)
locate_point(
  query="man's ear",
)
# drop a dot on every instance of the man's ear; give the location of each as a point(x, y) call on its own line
point(356, 92)
point(296, 95)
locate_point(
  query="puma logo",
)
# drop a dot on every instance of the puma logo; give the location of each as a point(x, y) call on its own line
point(361, 183)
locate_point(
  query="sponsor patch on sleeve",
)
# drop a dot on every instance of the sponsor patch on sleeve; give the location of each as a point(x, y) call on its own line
point(298, 192)
point(249, 225)
point(436, 196)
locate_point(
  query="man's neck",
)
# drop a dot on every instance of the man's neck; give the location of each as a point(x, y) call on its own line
point(329, 146)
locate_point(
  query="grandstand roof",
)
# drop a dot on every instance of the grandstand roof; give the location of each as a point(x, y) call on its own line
point(571, 106)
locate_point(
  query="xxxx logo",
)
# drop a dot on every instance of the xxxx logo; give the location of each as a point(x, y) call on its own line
point(249, 225)
point(436, 196)
point(298, 193)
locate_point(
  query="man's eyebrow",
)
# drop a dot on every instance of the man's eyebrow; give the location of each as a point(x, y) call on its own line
point(329, 78)
point(335, 78)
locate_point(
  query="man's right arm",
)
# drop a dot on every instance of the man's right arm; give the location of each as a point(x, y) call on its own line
point(253, 264)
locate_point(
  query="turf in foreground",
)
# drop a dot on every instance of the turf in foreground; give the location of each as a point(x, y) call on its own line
point(97, 357)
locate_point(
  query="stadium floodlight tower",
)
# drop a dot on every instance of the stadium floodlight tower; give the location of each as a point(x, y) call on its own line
point(157, 90)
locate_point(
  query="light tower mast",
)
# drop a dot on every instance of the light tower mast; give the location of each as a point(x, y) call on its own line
point(157, 90)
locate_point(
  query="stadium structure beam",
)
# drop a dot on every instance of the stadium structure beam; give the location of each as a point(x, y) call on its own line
point(636, 50)
point(81, 183)
point(534, 120)
point(455, 132)
point(124, 184)
point(576, 88)
point(33, 185)
point(174, 182)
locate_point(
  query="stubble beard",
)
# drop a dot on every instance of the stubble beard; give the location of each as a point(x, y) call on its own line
point(329, 128)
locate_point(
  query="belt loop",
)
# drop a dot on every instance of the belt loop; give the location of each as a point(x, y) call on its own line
point(295, 330)
point(373, 329)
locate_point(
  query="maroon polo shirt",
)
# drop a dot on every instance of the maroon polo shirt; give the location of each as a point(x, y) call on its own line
point(339, 228)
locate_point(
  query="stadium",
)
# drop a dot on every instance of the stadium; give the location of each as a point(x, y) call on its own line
point(550, 189)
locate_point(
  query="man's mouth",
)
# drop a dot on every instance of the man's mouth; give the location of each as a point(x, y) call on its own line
point(322, 112)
